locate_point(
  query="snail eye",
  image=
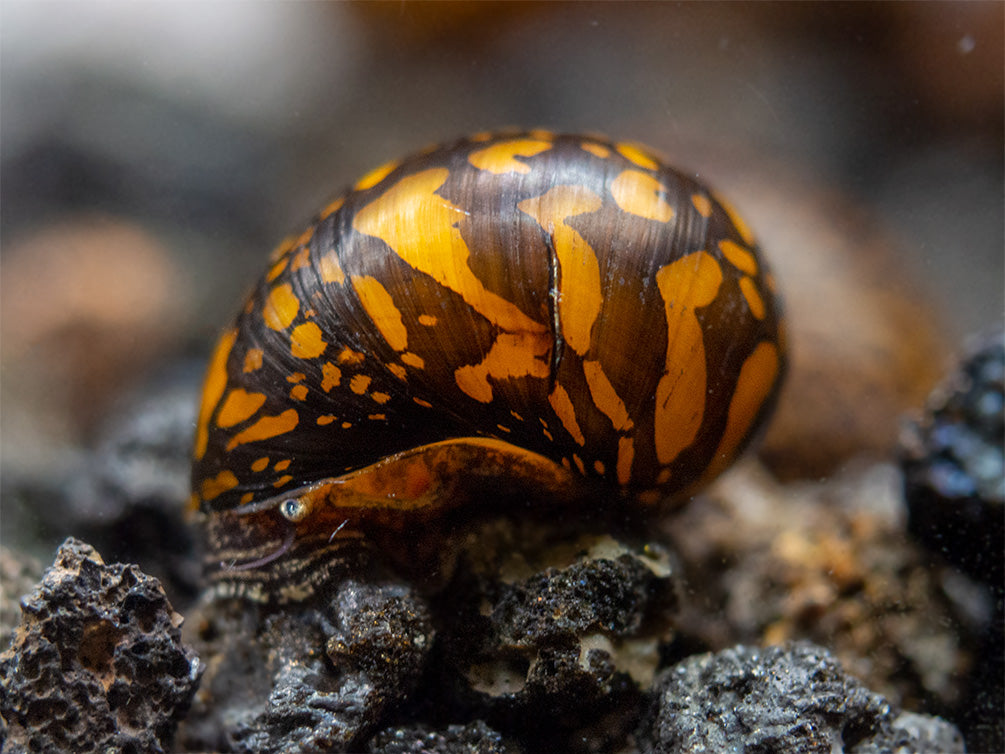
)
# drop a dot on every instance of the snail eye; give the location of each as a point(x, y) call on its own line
point(294, 509)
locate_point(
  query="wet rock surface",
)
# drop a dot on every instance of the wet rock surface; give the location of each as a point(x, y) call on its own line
point(793, 698)
point(97, 663)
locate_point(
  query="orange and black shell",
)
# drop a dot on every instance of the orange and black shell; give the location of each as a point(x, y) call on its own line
point(565, 295)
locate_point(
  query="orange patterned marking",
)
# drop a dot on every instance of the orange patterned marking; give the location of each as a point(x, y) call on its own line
point(298, 392)
point(598, 466)
point(330, 269)
point(626, 455)
point(219, 484)
point(266, 427)
point(501, 156)
point(212, 391)
point(579, 464)
point(685, 285)
point(375, 176)
point(277, 269)
point(702, 204)
point(346, 425)
point(331, 376)
point(605, 397)
point(349, 356)
point(359, 383)
point(398, 371)
point(253, 360)
point(379, 397)
point(597, 150)
point(296, 377)
point(325, 420)
point(282, 465)
point(247, 497)
point(306, 341)
point(413, 360)
point(260, 464)
point(424, 404)
point(238, 406)
point(377, 417)
point(562, 405)
point(380, 307)
point(439, 250)
point(427, 319)
point(281, 307)
point(284, 246)
point(579, 294)
point(511, 355)
point(640, 194)
point(282, 481)
point(301, 260)
point(637, 155)
point(741, 258)
point(332, 208)
point(756, 380)
point(754, 300)
point(503, 428)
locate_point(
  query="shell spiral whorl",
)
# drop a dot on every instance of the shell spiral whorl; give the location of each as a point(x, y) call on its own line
point(555, 311)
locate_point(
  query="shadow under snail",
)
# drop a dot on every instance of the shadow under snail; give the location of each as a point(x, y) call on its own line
point(557, 314)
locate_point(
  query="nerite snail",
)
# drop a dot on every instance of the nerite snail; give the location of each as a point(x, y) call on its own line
point(560, 313)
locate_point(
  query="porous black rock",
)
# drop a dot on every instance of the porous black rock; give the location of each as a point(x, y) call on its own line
point(97, 663)
point(954, 472)
point(474, 738)
point(310, 677)
point(793, 699)
point(558, 659)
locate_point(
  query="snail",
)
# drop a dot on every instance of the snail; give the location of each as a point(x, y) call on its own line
point(557, 314)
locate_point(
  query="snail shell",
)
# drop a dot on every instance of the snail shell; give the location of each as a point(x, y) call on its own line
point(554, 313)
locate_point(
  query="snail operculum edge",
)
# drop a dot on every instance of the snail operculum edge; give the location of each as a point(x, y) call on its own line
point(399, 513)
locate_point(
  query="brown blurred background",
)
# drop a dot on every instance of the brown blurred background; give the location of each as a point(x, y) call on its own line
point(152, 153)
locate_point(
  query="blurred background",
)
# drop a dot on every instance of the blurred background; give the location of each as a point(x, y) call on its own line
point(153, 153)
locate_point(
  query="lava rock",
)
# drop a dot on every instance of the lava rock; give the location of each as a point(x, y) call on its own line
point(954, 470)
point(558, 659)
point(473, 738)
point(794, 698)
point(310, 677)
point(97, 663)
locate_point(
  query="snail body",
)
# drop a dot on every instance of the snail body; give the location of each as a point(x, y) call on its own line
point(554, 313)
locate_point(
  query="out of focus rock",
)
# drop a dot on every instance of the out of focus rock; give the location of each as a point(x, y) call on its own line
point(125, 491)
point(954, 482)
point(18, 575)
point(86, 304)
point(866, 343)
point(97, 663)
point(794, 698)
point(954, 469)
